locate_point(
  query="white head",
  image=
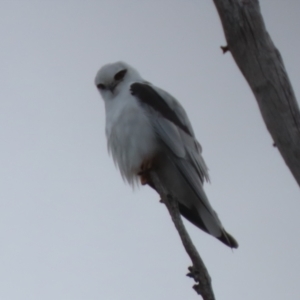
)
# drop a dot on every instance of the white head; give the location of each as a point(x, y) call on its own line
point(111, 77)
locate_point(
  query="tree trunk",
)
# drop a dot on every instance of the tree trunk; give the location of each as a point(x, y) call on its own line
point(262, 66)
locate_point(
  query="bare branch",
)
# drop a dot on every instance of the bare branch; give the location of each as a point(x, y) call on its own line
point(198, 271)
point(262, 66)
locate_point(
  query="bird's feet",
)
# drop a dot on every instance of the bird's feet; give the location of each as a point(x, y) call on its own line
point(144, 172)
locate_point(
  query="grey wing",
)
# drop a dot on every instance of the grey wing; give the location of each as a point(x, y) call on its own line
point(192, 147)
point(182, 169)
point(176, 107)
point(183, 165)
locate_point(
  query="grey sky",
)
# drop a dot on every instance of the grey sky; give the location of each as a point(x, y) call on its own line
point(69, 227)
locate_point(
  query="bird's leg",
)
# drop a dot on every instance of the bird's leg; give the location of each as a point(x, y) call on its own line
point(144, 172)
point(145, 177)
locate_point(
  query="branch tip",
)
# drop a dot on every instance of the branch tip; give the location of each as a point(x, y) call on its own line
point(196, 287)
point(225, 49)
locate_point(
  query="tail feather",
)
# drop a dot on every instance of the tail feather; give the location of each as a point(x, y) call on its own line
point(193, 204)
point(192, 216)
point(228, 240)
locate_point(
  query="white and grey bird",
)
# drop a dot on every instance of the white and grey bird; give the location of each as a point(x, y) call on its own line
point(146, 128)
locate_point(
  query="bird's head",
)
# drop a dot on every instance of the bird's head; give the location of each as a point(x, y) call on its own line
point(111, 77)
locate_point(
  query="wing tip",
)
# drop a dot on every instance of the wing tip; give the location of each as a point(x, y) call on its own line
point(228, 240)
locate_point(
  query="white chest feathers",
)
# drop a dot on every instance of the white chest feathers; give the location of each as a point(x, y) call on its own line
point(130, 137)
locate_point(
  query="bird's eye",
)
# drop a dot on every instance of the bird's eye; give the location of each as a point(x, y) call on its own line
point(120, 75)
point(101, 86)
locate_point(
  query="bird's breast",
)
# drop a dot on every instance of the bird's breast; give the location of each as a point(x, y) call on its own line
point(130, 137)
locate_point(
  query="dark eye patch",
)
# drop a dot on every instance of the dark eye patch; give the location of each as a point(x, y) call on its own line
point(101, 86)
point(120, 75)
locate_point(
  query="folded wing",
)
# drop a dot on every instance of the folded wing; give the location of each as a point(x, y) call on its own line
point(184, 169)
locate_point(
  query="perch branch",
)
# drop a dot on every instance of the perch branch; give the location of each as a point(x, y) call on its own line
point(261, 64)
point(198, 270)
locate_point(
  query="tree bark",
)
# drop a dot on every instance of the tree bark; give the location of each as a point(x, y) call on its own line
point(262, 66)
point(198, 271)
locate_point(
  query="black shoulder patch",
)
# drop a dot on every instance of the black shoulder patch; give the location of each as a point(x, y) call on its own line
point(147, 95)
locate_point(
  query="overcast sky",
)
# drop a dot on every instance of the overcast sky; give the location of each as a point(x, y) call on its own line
point(70, 229)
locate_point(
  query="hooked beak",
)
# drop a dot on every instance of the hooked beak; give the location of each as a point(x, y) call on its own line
point(112, 86)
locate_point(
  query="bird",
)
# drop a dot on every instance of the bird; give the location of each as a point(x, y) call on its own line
point(147, 130)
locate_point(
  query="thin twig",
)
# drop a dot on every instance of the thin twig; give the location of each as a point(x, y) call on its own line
point(198, 271)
